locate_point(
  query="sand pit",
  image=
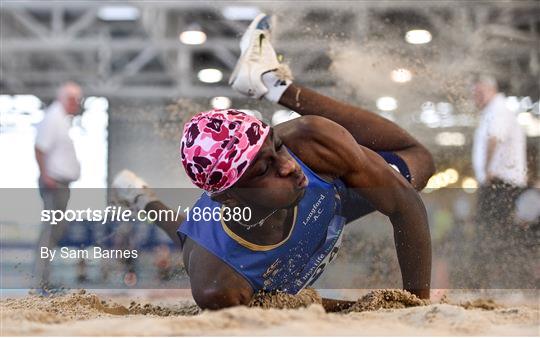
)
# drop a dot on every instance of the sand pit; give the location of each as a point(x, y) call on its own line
point(281, 300)
point(380, 312)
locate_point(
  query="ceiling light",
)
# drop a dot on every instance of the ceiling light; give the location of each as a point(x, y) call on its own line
point(452, 175)
point(246, 13)
point(210, 75)
point(430, 118)
point(27, 103)
point(469, 184)
point(448, 139)
point(418, 36)
point(193, 35)
point(6, 103)
point(96, 103)
point(429, 115)
point(443, 180)
point(401, 75)
point(386, 103)
point(435, 182)
point(221, 102)
point(118, 13)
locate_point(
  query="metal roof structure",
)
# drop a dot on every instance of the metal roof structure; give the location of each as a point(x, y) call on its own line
point(46, 42)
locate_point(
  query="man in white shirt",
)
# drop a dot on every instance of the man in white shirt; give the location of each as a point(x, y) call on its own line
point(499, 150)
point(58, 166)
point(500, 166)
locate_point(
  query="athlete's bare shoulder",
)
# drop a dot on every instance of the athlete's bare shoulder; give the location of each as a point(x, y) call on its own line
point(319, 142)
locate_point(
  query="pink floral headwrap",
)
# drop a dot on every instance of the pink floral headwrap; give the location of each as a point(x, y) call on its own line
point(218, 146)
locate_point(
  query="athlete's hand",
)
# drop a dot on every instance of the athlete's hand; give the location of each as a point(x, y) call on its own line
point(131, 190)
point(420, 293)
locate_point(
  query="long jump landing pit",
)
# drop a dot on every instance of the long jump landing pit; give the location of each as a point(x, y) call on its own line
point(173, 312)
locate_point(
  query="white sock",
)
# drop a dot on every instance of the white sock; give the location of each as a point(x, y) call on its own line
point(275, 85)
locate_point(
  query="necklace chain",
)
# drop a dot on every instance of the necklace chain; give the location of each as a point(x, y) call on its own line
point(259, 223)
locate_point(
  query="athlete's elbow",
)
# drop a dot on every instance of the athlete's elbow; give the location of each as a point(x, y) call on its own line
point(405, 199)
point(312, 124)
point(219, 298)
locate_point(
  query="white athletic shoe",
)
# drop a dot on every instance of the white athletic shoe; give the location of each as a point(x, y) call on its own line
point(131, 190)
point(257, 58)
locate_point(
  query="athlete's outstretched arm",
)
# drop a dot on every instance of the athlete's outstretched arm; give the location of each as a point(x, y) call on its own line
point(337, 154)
point(368, 129)
point(391, 194)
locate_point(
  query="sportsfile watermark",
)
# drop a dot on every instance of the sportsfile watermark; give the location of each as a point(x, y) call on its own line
point(123, 214)
point(109, 214)
point(116, 247)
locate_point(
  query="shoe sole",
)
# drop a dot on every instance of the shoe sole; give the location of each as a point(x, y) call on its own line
point(253, 26)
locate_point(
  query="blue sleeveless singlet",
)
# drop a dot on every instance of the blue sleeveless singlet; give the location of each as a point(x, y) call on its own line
point(292, 264)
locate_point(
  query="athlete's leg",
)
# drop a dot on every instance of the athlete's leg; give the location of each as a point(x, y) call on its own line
point(258, 74)
point(369, 129)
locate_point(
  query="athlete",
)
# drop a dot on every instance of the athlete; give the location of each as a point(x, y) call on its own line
point(301, 182)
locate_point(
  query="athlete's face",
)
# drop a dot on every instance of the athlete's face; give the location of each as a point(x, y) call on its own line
point(273, 180)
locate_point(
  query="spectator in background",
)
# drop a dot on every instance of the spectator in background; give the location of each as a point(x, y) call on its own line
point(499, 152)
point(58, 166)
point(499, 161)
